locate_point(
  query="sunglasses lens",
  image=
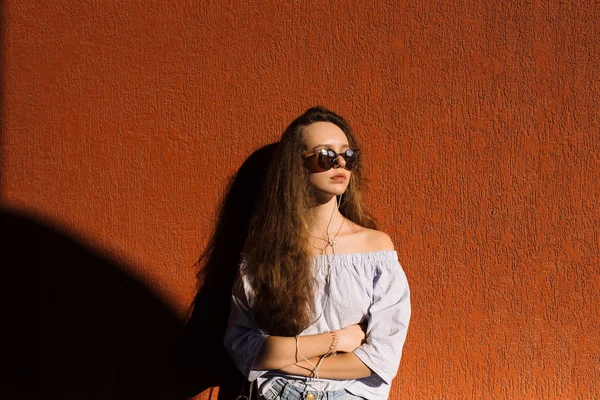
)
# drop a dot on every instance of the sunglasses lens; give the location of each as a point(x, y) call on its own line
point(326, 159)
point(351, 158)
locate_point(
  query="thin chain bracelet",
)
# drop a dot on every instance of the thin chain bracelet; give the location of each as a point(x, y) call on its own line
point(332, 346)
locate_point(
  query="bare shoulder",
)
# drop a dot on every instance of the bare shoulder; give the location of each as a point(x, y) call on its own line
point(379, 241)
point(371, 240)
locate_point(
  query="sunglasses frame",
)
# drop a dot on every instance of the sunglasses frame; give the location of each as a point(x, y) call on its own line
point(333, 158)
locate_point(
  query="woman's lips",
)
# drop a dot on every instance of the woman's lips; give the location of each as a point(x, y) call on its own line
point(339, 178)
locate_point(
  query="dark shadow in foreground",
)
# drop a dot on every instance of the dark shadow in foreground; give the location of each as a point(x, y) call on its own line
point(75, 324)
point(203, 360)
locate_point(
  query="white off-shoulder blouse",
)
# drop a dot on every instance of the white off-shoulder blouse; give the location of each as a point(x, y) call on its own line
point(364, 287)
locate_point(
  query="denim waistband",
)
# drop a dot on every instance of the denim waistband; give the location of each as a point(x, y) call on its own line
point(285, 389)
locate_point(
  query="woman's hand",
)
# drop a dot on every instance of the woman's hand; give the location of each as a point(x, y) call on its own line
point(349, 338)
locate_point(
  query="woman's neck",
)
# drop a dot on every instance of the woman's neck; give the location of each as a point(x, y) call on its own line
point(326, 218)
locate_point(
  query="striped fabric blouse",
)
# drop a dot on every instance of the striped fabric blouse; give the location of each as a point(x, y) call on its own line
point(369, 287)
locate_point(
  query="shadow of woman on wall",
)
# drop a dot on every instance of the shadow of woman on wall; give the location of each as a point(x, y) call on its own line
point(75, 325)
point(203, 360)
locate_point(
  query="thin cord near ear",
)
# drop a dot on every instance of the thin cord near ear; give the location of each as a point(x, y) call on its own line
point(339, 201)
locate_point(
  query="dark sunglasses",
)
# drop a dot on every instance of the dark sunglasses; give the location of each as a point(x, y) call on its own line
point(321, 160)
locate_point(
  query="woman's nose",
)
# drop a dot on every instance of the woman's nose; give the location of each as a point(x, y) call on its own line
point(340, 161)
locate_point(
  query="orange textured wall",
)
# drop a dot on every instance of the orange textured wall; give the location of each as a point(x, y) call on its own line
point(123, 121)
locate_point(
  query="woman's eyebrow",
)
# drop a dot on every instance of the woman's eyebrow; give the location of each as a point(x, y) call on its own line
point(328, 146)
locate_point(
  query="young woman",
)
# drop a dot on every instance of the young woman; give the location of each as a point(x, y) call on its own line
point(321, 306)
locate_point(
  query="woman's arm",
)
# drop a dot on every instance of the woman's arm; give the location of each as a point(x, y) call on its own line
point(279, 352)
point(341, 366)
point(254, 351)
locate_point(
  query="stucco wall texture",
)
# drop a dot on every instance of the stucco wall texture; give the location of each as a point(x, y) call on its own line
point(122, 123)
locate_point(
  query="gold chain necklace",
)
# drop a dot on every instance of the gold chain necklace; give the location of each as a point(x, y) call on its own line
point(330, 241)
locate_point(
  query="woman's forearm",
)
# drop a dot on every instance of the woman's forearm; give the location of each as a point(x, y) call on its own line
point(341, 366)
point(279, 352)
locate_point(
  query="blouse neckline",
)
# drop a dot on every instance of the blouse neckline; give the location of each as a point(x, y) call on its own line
point(362, 257)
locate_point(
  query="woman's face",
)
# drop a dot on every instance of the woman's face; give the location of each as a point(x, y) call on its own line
point(333, 182)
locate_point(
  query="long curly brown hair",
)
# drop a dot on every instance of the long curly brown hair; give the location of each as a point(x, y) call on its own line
point(278, 259)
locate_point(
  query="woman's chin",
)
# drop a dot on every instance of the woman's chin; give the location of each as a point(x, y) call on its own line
point(324, 196)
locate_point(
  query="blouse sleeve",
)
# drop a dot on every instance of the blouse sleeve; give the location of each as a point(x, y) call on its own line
point(243, 339)
point(389, 314)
